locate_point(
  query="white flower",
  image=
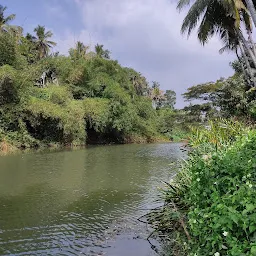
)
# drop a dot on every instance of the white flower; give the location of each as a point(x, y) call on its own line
point(249, 175)
point(206, 157)
point(225, 233)
point(198, 179)
point(216, 254)
point(215, 183)
point(250, 185)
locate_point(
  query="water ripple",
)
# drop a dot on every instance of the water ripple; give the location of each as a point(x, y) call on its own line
point(83, 202)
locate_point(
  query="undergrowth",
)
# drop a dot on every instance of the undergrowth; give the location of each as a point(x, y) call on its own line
point(210, 205)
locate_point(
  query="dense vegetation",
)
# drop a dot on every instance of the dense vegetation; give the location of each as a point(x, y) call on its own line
point(93, 99)
point(210, 204)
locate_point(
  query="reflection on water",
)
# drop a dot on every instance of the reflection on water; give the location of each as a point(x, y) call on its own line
point(83, 202)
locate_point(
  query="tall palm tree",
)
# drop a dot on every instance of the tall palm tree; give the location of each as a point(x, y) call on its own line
point(231, 43)
point(42, 43)
point(250, 6)
point(222, 18)
point(216, 17)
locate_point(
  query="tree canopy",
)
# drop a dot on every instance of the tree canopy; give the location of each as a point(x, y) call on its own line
point(94, 100)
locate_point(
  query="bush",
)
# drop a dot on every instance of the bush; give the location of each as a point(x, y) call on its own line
point(210, 205)
point(53, 122)
point(97, 113)
point(8, 54)
point(8, 88)
point(222, 216)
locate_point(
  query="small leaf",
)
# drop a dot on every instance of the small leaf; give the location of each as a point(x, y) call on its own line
point(252, 228)
point(253, 251)
point(250, 207)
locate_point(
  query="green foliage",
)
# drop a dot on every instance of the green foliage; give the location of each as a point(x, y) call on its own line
point(97, 113)
point(222, 199)
point(218, 133)
point(232, 98)
point(14, 84)
point(59, 95)
point(202, 91)
point(27, 48)
point(210, 204)
point(166, 119)
point(8, 89)
point(96, 96)
point(53, 122)
point(42, 42)
point(80, 51)
point(170, 97)
point(101, 53)
point(8, 53)
point(224, 98)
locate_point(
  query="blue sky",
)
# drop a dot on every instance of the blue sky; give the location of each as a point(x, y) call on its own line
point(143, 34)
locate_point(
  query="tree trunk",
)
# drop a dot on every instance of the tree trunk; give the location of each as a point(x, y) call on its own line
point(251, 42)
point(247, 63)
point(246, 47)
point(251, 9)
point(246, 76)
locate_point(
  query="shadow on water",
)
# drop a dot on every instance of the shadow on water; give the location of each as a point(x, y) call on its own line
point(82, 202)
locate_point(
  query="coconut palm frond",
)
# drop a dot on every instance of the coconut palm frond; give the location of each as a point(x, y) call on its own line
point(193, 16)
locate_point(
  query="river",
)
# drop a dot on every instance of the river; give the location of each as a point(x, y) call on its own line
point(82, 202)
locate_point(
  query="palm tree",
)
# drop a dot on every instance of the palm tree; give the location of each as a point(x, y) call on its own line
point(43, 45)
point(4, 21)
point(101, 52)
point(15, 31)
point(81, 49)
point(222, 18)
point(30, 38)
point(251, 8)
point(79, 52)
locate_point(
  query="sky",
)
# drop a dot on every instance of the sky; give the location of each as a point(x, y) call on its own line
point(142, 34)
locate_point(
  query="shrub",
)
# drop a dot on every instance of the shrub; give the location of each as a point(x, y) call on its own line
point(222, 216)
point(8, 54)
point(54, 122)
point(97, 113)
point(210, 205)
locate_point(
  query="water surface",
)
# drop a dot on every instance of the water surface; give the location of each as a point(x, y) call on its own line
point(82, 202)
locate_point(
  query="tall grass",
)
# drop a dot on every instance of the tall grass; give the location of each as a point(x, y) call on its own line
point(219, 132)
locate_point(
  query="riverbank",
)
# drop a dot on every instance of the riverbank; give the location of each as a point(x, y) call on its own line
point(17, 142)
point(210, 204)
point(8, 148)
point(95, 101)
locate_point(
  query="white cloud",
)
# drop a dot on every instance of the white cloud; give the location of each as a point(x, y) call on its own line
point(145, 34)
point(55, 11)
